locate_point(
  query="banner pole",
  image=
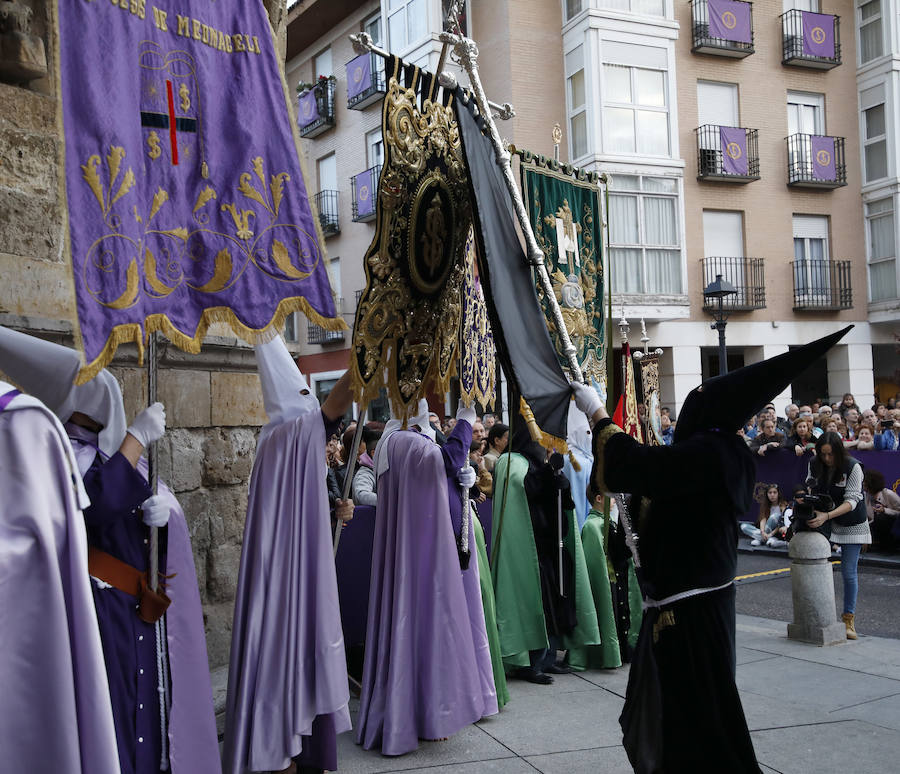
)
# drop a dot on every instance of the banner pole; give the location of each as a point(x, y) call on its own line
point(351, 469)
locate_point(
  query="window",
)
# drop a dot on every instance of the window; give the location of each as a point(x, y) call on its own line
point(871, 39)
point(323, 64)
point(636, 110)
point(327, 169)
point(573, 8)
point(334, 276)
point(806, 113)
point(647, 7)
point(882, 250)
point(875, 143)
point(291, 328)
point(644, 235)
point(372, 25)
point(575, 97)
point(407, 22)
point(811, 274)
point(717, 104)
point(463, 15)
point(723, 235)
point(374, 148)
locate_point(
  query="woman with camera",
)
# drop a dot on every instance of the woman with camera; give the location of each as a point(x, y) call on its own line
point(835, 473)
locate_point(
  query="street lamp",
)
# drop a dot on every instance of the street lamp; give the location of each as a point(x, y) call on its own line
point(719, 289)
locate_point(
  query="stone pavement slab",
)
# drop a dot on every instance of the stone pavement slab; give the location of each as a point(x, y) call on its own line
point(602, 760)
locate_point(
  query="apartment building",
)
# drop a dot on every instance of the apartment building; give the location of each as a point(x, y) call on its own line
point(739, 149)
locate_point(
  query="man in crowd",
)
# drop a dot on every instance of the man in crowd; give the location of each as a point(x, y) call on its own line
point(785, 425)
point(767, 439)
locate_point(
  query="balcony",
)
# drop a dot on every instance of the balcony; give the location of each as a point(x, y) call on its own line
point(722, 28)
point(365, 81)
point(316, 334)
point(727, 153)
point(746, 274)
point(327, 207)
point(821, 285)
point(365, 192)
point(811, 39)
point(315, 112)
point(816, 161)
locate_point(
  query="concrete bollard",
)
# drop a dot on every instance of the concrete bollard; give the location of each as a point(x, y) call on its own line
point(812, 588)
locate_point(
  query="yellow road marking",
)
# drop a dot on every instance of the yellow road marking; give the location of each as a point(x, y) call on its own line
point(772, 572)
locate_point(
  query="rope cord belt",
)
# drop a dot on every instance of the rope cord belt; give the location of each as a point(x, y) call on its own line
point(649, 603)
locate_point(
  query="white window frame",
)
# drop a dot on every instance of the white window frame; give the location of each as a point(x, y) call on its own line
point(573, 112)
point(872, 261)
point(634, 107)
point(860, 23)
point(374, 148)
point(367, 26)
point(870, 141)
point(808, 99)
point(642, 245)
point(315, 63)
point(567, 17)
point(800, 5)
point(809, 228)
point(328, 156)
point(634, 6)
point(403, 7)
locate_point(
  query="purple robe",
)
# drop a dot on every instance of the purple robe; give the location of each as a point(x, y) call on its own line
point(129, 644)
point(55, 713)
point(421, 676)
point(456, 454)
point(288, 692)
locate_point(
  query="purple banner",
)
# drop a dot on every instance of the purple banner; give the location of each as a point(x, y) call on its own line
point(786, 469)
point(186, 200)
point(359, 75)
point(730, 20)
point(823, 166)
point(818, 34)
point(366, 191)
point(734, 150)
point(308, 108)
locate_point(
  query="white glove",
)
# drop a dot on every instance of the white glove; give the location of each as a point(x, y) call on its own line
point(149, 425)
point(466, 476)
point(586, 398)
point(467, 413)
point(156, 512)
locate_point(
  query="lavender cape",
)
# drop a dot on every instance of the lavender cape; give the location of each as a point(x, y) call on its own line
point(422, 676)
point(192, 738)
point(55, 712)
point(287, 649)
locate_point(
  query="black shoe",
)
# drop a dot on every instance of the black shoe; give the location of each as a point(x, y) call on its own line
point(559, 668)
point(532, 675)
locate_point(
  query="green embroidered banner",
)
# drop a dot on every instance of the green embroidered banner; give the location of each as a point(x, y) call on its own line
point(566, 218)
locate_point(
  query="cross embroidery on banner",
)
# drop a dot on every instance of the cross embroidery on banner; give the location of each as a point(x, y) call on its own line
point(170, 121)
point(567, 237)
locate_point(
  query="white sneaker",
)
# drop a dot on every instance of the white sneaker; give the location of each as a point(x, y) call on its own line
point(755, 542)
point(776, 543)
point(838, 550)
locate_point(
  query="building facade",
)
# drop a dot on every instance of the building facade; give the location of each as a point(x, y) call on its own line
point(653, 93)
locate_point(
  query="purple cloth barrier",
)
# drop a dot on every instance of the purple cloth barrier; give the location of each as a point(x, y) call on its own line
point(354, 570)
point(785, 468)
point(486, 517)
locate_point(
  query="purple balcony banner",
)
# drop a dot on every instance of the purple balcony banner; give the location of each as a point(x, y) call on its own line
point(730, 20)
point(818, 34)
point(309, 108)
point(359, 75)
point(177, 220)
point(734, 150)
point(823, 166)
point(366, 190)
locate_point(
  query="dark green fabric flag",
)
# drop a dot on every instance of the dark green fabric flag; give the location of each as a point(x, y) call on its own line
point(567, 221)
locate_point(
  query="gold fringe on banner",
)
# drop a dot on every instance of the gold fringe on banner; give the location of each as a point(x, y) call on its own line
point(546, 440)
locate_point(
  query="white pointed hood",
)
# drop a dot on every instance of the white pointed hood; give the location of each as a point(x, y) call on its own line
point(420, 420)
point(286, 395)
point(579, 431)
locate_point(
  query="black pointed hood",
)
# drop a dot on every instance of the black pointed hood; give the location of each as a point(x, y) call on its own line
point(725, 402)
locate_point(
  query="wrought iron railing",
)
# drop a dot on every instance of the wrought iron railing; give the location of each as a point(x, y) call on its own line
point(810, 44)
point(816, 161)
point(365, 192)
point(323, 120)
point(821, 284)
point(731, 155)
point(746, 274)
point(374, 87)
point(316, 334)
point(329, 217)
point(728, 36)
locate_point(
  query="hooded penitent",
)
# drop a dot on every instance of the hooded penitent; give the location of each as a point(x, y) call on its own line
point(725, 402)
point(287, 682)
point(579, 442)
point(420, 421)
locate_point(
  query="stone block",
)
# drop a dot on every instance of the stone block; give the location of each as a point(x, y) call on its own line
point(133, 382)
point(27, 110)
point(228, 456)
point(29, 163)
point(186, 455)
point(222, 572)
point(31, 287)
point(227, 513)
point(236, 400)
point(218, 621)
point(32, 226)
point(185, 395)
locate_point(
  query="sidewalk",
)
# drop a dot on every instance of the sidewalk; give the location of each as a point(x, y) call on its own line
point(809, 709)
point(866, 559)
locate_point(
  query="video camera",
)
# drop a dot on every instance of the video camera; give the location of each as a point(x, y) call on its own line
point(805, 510)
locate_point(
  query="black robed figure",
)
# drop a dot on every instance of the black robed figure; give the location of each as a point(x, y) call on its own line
point(682, 709)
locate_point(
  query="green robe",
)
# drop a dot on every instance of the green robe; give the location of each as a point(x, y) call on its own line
point(490, 615)
point(606, 655)
point(514, 565)
point(587, 630)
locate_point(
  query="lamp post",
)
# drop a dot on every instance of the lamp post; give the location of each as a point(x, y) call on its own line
point(719, 289)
